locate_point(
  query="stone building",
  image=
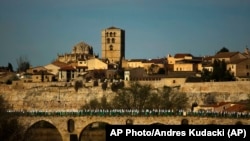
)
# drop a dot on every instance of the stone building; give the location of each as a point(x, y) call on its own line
point(80, 51)
point(113, 44)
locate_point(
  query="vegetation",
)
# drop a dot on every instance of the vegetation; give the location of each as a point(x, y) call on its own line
point(115, 86)
point(10, 67)
point(223, 49)
point(10, 128)
point(142, 96)
point(23, 64)
point(219, 73)
point(78, 85)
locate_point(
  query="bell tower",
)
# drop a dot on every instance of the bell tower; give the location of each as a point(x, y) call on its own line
point(113, 44)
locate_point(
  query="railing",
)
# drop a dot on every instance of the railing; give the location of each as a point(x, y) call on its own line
point(132, 112)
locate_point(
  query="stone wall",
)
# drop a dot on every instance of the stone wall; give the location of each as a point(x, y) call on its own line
point(60, 96)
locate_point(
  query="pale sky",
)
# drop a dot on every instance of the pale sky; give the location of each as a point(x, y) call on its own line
point(41, 29)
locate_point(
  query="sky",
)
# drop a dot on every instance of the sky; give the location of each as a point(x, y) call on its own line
point(39, 30)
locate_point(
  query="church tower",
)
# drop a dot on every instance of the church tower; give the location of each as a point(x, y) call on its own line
point(113, 44)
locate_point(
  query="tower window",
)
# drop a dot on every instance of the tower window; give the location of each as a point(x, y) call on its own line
point(111, 47)
point(108, 40)
point(110, 34)
point(113, 40)
point(107, 34)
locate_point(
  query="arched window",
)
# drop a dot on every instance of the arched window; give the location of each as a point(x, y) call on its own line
point(111, 47)
point(108, 40)
point(114, 34)
point(107, 34)
point(110, 34)
point(113, 40)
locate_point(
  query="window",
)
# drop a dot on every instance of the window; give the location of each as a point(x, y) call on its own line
point(108, 40)
point(113, 40)
point(107, 34)
point(111, 47)
point(110, 34)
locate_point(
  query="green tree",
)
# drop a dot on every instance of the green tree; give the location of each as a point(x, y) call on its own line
point(223, 49)
point(78, 85)
point(220, 72)
point(206, 75)
point(10, 67)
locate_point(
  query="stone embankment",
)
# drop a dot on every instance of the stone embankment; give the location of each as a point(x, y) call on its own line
point(58, 96)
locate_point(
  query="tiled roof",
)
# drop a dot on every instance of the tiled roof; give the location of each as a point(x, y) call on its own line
point(42, 73)
point(69, 67)
point(236, 108)
point(59, 64)
point(182, 55)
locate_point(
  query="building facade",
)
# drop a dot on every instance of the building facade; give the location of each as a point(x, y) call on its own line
point(81, 50)
point(113, 44)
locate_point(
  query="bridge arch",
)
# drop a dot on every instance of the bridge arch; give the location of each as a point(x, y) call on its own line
point(93, 131)
point(42, 130)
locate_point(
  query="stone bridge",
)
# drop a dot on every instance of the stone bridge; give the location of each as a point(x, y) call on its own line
point(71, 128)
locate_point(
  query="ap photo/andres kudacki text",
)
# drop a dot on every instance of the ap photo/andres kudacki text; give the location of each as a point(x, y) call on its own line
point(177, 131)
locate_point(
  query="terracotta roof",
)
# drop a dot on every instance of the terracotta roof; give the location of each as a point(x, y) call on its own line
point(59, 64)
point(182, 55)
point(236, 108)
point(69, 67)
point(42, 72)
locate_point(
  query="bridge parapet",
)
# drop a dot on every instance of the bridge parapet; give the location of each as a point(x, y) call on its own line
point(133, 112)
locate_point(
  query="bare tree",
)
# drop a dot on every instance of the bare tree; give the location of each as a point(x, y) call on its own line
point(22, 63)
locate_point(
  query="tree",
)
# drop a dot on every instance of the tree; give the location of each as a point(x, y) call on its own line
point(23, 64)
point(220, 72)
point(171, 99)
point(10, 128)
point(142, 96)
point(10, 67)
point(95, 104)
point(135, 96)
point(78, 85)
point(206, 75)
point(223, 49)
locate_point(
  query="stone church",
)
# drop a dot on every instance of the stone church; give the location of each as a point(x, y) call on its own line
point(80, 51)
point(112, 48)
